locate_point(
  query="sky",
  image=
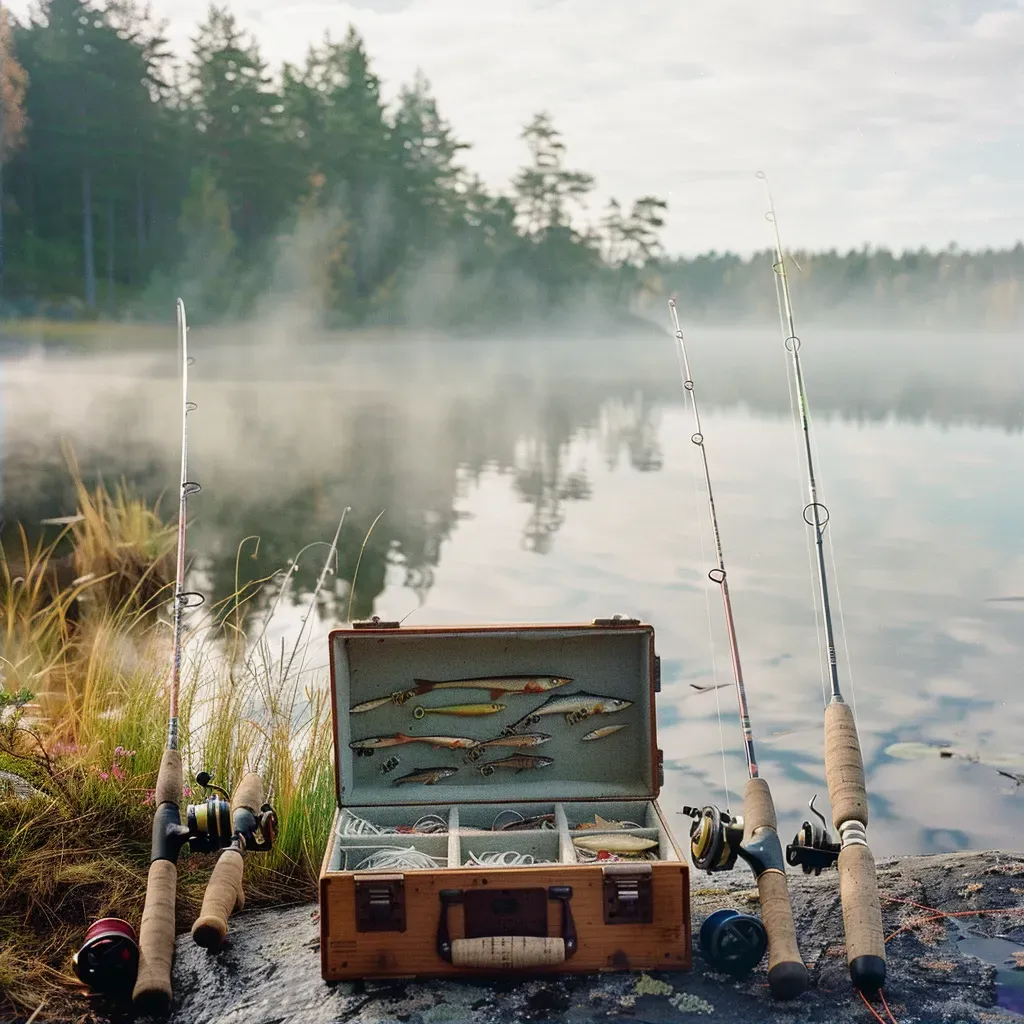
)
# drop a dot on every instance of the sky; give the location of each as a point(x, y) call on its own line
point(894, 123)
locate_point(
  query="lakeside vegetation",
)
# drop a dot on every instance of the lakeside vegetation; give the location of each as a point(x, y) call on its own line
point(83, 720)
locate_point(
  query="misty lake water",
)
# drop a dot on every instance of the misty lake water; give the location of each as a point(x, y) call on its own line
point(553, 479)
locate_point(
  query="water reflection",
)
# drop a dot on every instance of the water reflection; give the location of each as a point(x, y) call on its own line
point(549, 480)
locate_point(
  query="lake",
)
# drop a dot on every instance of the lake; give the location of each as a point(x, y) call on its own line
point(536, 479)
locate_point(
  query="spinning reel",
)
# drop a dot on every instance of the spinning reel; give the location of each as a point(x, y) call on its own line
point(731, 942)
point(209, 823)
point(715, 838)
point(813, 848)
point(109, 958)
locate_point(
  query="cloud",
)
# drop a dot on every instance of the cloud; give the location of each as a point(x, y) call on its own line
point(896, 124)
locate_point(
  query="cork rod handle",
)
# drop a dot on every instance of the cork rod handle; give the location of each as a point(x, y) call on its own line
point(223, 896)
point(248, 793)
point(152, 992)
point(858, 882)
point(787, 973)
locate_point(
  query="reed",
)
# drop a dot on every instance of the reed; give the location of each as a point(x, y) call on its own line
point(84, 672)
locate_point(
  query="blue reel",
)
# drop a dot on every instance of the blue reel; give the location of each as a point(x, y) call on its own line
point(731, 942)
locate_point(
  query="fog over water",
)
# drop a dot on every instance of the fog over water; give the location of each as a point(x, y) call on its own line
point(553, 479)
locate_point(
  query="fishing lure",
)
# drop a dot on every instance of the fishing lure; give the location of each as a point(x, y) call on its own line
point(620, 843)
point(427, 776)
point(522, 739)
point(399, 697)
point(600, 734)
point(518, 762)
point(372, 743)
point(575, 707)
point(603, 823)
point(458, 709)
point(537, 821)
point(497, 685)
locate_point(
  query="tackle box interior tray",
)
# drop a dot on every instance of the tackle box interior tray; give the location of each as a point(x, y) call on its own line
point(379, 670)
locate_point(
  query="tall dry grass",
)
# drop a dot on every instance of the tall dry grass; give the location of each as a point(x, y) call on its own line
point(83, 718)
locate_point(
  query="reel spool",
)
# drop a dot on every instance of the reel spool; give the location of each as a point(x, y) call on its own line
point(731, 942)
point(812, 848)
point(108, 960)
point(715, 838)
point(209, 823)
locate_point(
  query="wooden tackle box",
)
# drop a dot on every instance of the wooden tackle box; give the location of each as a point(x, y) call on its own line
point(567, 911)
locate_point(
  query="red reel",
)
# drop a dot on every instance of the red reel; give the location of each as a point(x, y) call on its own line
point(108, 959)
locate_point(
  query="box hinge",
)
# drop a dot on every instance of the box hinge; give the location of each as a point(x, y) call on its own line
point(380, 903)
point(617, 620)
point(657, 673)
point(627, 893)
point(375, 623)
point(661, 769)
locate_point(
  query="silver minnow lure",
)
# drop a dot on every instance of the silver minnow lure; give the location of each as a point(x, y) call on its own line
point(428, 776)
point(575, 707)
point(377, 742)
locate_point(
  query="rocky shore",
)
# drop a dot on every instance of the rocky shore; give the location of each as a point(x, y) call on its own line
point(955, 970)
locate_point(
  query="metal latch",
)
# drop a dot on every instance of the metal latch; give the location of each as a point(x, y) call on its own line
point(617, 620)
point(657, 673)
point(627, 893)
point(375, 623)
point(380, 903)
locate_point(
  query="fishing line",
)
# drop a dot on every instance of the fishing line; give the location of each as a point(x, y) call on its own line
point(353, 825)
point(683, 378)
point(393, 858)
point(505, 859)
point(794, 422)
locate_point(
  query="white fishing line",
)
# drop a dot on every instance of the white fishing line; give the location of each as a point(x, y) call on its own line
point(393, 858)
point(504, 859)
point(699, 515)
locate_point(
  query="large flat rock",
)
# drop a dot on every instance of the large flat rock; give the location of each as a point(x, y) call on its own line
point(270, 971)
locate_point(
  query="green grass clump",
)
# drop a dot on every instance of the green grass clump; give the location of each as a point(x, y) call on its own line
point(83, 718)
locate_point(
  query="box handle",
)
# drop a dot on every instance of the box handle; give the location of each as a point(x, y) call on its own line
point(507, 952)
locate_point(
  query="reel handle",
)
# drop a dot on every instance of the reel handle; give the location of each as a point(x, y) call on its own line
point(787, 973)
point(224, 893)
point(152, 992)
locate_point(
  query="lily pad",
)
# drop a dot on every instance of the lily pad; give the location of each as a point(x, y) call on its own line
point(912, 750)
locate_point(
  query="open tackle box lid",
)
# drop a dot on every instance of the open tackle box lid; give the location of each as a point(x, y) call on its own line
point(609, 658)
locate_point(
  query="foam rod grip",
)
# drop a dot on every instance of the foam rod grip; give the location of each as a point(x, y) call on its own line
point(223, 895)
point(152, 992)
point(508, 952)
point(248, 793)
point(844, 766)
point(862, 918)
point(787, 973)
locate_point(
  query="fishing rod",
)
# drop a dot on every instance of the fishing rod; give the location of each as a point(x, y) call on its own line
point(813, 848)
point(152, 992)
point(716, 837)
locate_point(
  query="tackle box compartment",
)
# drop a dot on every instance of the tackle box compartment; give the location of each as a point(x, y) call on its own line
point(455, 860)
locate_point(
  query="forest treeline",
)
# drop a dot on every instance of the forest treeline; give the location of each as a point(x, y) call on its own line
point(130, 177)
